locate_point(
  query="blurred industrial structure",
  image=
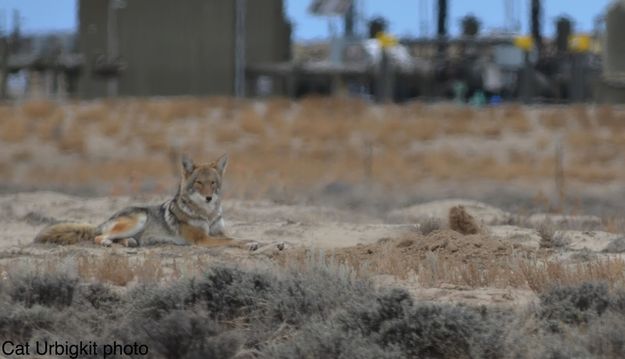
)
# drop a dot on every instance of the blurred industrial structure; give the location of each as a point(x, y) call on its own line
point(243, 48)
point(164, 47)
point(612, 84)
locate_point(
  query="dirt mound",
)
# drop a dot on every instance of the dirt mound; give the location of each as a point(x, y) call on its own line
point(445, 244)
point(411, 253)
point(440, 258)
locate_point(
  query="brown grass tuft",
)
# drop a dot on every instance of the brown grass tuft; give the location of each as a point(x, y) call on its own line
point(38, 109)
point(73, 139)
point(14, 130)
point(461, 221)
point(110, 269)
point(542, 275)
point(251, 122)
point(227, 133)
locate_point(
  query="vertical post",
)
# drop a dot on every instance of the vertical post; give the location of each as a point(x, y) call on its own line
point(4, 57)
point(350, 16)
point(442, 26)
point(559, 173)
point(112, 52)
point(239, 48)
point(368, 160)
point(4, 66)
point(578, 80)
point(385, 78)
point(527, 78)
point(423, 18)
point(536, 17)
point(442, 18)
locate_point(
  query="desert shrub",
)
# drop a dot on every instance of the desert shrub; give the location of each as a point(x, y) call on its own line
point(604, 337)
point(556, 348)
point(184, 334)
point(549, 237)
point(315, 294)
point(574, 305)
point(46, 290)
point(18, 322)
point(227, 292)
point(317, 311)
point(155, 302)
point(370, 317)
point(264, 302)
point(98, 296)
point(425, 330)
point(321, 340)
point(616, 246)
point(617, 304)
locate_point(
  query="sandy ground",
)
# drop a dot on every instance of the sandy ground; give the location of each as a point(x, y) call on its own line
point(304, 228)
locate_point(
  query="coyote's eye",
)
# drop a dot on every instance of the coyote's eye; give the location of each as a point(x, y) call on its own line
point(199, 183)
point(213, 183)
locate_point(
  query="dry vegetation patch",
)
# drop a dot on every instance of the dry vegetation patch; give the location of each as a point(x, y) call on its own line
point(321, 311)
point(401, 144)
point(446, 257)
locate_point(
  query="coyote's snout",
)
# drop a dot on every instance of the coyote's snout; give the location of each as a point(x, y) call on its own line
point(192, 216)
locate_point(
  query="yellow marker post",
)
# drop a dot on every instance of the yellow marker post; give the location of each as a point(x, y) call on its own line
point(525, 43)
point(386, 40)
point(580, 43)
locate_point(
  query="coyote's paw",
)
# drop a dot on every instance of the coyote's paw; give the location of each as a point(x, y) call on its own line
point(103, 241)
point(253, 246)
point(129, 242)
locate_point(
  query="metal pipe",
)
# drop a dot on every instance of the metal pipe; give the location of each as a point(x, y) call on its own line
point(239, 48)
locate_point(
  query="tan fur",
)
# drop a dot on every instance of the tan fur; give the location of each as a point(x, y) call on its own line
point(99, 240)
point(66, 233)
point(461, 221)
point(192, 234)
point(198, 237)
point(124, 224)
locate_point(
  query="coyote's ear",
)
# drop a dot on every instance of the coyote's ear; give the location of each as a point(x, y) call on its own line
point(187, 165)
point(222, 163)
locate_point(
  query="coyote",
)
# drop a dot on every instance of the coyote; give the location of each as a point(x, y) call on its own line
point(192, 216)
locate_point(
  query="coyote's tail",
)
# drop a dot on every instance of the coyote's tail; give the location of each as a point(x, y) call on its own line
point(67, 233)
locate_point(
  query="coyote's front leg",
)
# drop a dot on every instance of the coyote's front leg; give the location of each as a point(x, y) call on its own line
point(225, 241)
point(195, 235)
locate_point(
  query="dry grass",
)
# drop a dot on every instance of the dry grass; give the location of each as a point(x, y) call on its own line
point(154, 140)
point(140, 170)
point(14, 130)
point(111, 127)
point(226, 134)
point(251, 122)
point(116, 270)
point(324, 139)
point(541, 275)
point(91, 112)
point(171, 110)
point(121, 270)
point(50, 129)
point(39, 109)
point(73, 139)
point(514, 271)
